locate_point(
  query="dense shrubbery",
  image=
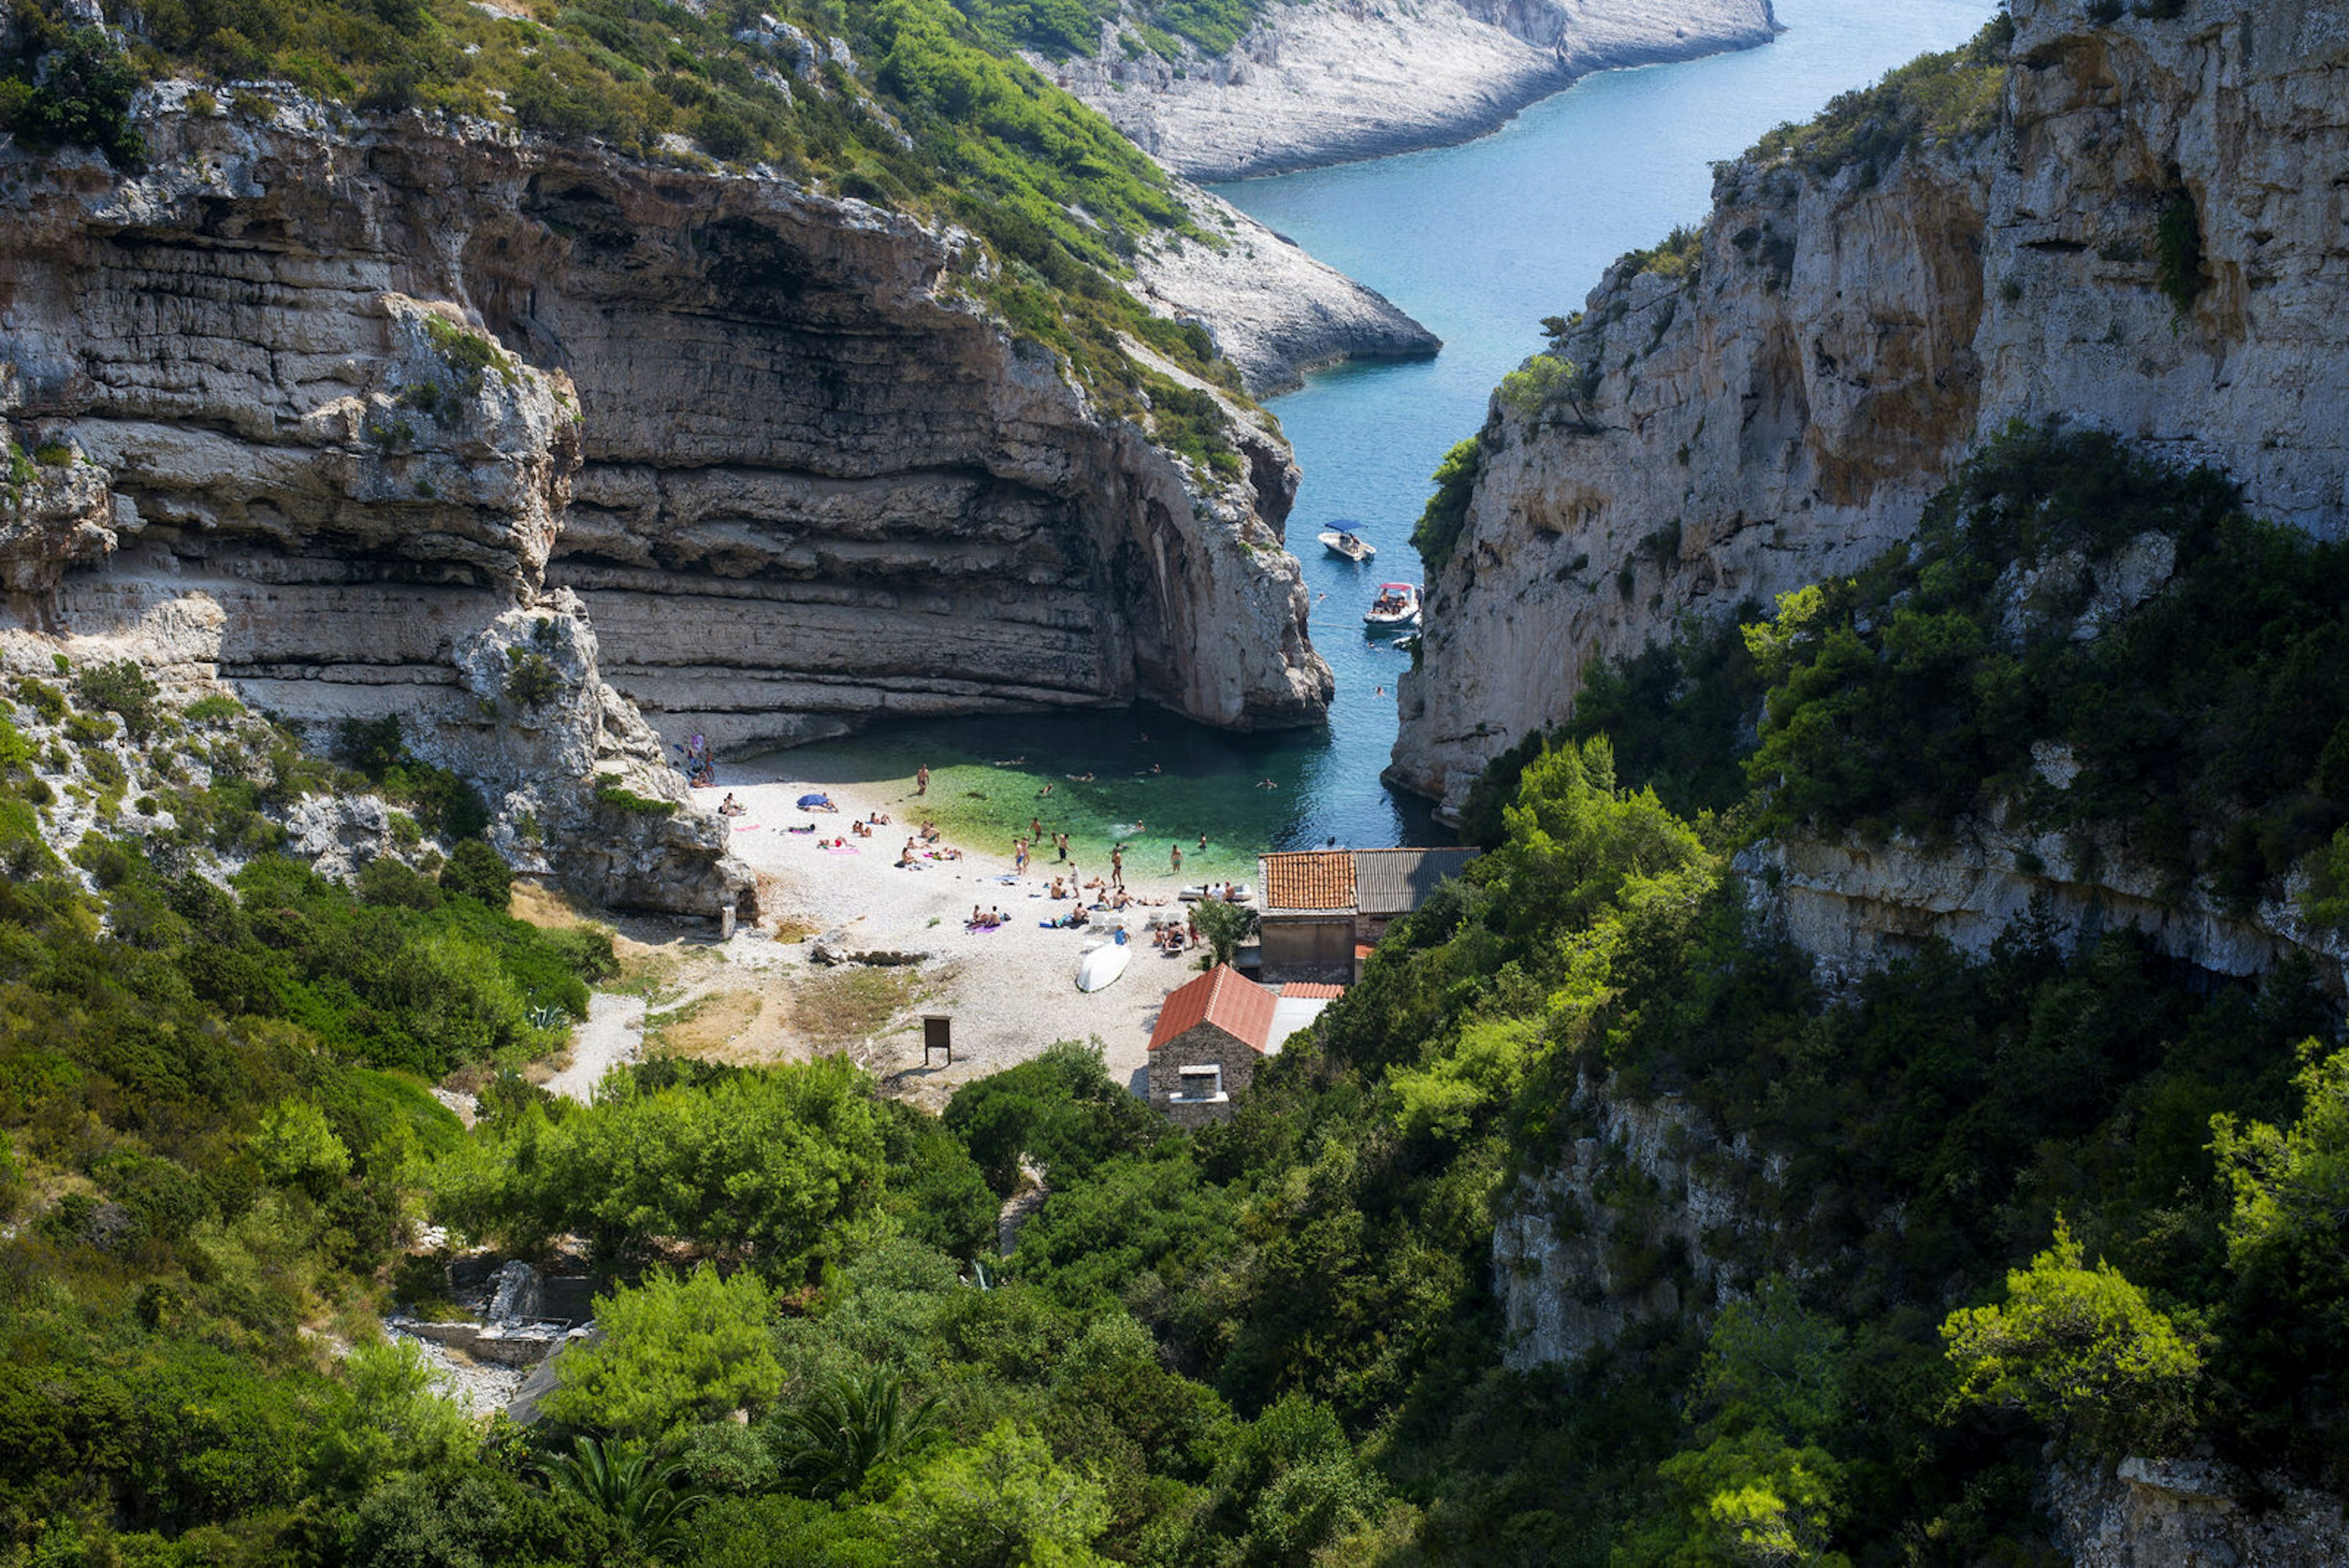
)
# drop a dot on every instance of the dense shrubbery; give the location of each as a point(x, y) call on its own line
point(2206, 725)
point(1945, 98)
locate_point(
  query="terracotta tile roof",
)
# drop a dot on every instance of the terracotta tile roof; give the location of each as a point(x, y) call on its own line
point(1310, 880)
point(1222, 997)
point(1307, 991)
point(1397, 882)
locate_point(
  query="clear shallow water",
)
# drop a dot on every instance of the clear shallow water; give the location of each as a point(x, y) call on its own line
point(1479, 241)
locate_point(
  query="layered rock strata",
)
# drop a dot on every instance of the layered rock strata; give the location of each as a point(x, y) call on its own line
point(347, 397)
point(1328, 81)
point(1778, 413)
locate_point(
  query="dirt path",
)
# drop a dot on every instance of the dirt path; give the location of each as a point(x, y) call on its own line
point(613, 1032)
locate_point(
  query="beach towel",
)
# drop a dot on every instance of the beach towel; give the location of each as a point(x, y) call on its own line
point(745, 827)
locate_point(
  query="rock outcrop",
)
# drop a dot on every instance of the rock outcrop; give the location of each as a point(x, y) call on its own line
point(1272, 309)
point(1852, 907)
point(1328, 81)
point(1631, 1224)
point(360, 412)
point(1777, 413)
point(2188, 1514)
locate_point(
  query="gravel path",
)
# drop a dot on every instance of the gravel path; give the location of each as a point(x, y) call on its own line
point(613, 1032)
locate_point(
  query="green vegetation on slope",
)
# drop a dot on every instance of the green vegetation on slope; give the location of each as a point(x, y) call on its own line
point(911, 112)
point(1949, 99)
point(1957, 1210)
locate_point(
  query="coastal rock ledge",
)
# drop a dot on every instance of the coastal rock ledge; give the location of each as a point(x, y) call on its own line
point(345, 392)
point(1332, 81)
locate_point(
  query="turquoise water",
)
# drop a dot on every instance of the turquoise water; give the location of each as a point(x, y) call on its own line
point(1480, 241)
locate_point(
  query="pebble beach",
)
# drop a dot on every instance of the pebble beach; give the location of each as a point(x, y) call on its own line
point(1011, 992)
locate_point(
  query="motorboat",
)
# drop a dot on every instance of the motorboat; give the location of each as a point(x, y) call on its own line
point(1347, 543)
point(1395, 608)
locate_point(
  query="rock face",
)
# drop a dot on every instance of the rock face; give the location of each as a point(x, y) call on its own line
point(352, 405)
point(1272, 309)
point(1328, 81)
point(1853, 907)
point(1623, 1229)
point(2188, 1514)
point(1778, 414)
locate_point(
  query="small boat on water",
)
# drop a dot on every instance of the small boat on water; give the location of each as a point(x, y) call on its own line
point(1098, 965)
point(1396, 607)
point(1347, 543)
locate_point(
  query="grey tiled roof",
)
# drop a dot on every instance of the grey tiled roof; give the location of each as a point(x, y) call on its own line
point(1397, 882)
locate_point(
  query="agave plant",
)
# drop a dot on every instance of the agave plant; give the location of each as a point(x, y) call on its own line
point(652, 1501)
point(845, 1427)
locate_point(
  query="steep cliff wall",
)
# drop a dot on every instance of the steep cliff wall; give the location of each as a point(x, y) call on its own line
point(1328, 81)
point(2150, 240)
point(367, 387)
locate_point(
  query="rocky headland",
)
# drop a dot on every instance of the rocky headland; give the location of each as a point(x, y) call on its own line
point(1330, 81)
point(1273, 309)
point(364, 417)
point(2142, 236)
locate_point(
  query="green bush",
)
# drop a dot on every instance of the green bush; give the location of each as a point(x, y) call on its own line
point(1446, 512)
point(125, 689)
point(477, 871)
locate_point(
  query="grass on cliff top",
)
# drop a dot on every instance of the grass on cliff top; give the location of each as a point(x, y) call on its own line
point(908, 109)
point(1950, 97)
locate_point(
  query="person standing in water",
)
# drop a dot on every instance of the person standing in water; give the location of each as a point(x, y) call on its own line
point(1117, 868)
point(1061, 842)
point(922, 779)
point(1175, 854)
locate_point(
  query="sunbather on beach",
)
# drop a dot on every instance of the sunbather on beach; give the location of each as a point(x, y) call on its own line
point(908, 857)
point(730, 806)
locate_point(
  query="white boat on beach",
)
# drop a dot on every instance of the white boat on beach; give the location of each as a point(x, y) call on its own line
point(1099, 965)
point(1347, 543)
point(1396, 607)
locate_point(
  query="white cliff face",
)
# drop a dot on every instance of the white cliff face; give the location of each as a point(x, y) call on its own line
point(1845, 342)
point(1328, 81)
point(1272, 309)
point(345, 396)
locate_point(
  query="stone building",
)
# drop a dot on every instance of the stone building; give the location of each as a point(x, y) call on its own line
point(1324, 909)
point(1215, 1033)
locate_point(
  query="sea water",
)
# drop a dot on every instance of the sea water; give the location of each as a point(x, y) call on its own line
point(1479, 241)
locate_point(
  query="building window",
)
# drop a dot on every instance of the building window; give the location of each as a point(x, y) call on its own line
point(1199, 1084)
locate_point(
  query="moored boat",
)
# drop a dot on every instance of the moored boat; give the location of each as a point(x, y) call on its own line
point(1395, 608)
point(1347, 543)
point(1098, 966)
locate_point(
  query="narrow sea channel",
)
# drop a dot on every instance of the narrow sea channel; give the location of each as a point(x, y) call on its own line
point(1480, 241)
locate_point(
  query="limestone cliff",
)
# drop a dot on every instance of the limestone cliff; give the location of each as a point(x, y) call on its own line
point(2148, 239)
point(346, 395)
point(1273, 310)
point(1327, 81)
